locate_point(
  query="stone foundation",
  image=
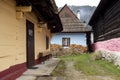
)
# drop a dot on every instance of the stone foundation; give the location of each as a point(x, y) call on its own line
point(110, 56)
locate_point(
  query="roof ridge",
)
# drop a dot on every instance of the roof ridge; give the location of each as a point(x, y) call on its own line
point(69, 10)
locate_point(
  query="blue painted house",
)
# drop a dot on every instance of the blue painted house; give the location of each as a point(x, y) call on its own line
point(74, 31)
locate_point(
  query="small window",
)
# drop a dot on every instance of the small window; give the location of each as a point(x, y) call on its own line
point(65, 42)
point(47, 42)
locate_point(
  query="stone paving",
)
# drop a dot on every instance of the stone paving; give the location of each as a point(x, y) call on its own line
point(42, 72)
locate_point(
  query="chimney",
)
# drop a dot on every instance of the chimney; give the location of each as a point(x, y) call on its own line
point(78, 14)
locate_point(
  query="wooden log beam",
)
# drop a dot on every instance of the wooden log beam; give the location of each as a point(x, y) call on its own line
point(19, 15)
point(42, 24)
point(24, 8)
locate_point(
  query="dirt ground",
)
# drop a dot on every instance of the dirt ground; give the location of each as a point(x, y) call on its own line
point(72, 74)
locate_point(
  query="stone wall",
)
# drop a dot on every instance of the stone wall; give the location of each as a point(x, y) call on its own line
point(110, 56)
point(109, 49)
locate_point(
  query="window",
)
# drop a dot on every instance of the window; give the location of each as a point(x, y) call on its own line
point(65, 42)
point(47, 42)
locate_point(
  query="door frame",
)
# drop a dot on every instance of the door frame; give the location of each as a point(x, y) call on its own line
point(30, 63)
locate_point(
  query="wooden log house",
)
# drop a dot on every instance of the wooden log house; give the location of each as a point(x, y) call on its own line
point(26, 28)
point(106, 27)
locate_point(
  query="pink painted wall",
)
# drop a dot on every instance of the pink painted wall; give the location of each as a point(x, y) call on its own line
point(110, 45)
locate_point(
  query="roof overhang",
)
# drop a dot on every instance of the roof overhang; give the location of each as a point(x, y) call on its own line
point(100, 10)
point(46, 11)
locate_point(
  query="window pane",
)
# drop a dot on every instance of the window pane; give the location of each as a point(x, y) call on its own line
point(65, 42)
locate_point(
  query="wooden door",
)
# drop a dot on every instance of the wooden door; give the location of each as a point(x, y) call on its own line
point(30, 44)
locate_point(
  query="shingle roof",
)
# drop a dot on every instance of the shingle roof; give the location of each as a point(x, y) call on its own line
point(70, 22)
point(73, 25)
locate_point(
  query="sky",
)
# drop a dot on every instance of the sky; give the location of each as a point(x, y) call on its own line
point(61, 3)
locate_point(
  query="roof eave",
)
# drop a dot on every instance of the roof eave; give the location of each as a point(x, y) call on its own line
point(102, 7)
point(45, 12)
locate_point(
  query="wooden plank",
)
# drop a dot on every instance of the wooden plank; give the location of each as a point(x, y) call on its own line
point(24, 8)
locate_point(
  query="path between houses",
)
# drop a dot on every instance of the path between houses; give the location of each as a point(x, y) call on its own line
point(44, 72)
point(72, 74)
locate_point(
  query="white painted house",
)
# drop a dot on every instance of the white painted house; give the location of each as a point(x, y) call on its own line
point(74, 31)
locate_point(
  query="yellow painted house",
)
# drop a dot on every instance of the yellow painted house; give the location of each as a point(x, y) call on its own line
point(26, 28)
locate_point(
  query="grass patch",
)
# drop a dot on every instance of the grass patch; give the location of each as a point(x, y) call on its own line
point(59, 70)
point(88, 66)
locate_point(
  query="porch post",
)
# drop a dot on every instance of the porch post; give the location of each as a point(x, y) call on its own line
point(88, 41)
